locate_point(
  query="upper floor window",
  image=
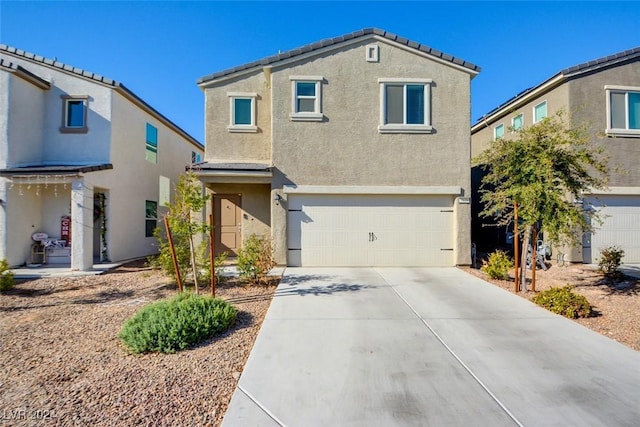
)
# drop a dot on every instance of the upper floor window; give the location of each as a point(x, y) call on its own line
point(539, 112)
point(242, 112)
point(405, 105)
point(151, 144)
point(195, 157)
point(517, 122)
point(623, 110)
point(498, 131)
point(74, 114)
point(307, 98)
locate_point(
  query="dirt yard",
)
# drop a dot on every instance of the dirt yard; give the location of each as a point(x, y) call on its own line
point(616, 305)
point(61, 362)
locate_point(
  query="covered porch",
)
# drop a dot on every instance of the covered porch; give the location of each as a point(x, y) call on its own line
point(52, 216)
point(241, 199)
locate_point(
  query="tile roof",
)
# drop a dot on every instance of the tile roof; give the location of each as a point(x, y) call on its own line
point(337, 40)
point(99, 79)
point(603, 62)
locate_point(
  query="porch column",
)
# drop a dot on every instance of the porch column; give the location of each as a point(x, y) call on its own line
point(81, 225)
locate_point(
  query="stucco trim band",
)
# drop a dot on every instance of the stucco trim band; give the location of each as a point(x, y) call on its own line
point(618, 191)
point(373, 189)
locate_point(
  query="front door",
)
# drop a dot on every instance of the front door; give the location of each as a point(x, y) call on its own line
point(228, 217)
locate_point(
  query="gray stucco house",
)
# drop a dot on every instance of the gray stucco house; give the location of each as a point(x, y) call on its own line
point(352, 151)
point(604, 93)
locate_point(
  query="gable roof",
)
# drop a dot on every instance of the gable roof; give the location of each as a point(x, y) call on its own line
point(571, 73)
point(78, 72)
point(336, 42)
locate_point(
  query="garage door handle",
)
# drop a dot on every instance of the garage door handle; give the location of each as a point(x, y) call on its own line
point(372, 237)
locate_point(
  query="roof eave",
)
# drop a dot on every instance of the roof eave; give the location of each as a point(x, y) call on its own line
point(304, 52)
point(516, 103)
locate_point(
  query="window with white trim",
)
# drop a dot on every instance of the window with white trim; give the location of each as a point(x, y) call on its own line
point(623, 110)
point(405, 105)
point(539, 112)
point(498, 131)
point(74, 114)
point(306, 99)
point(242, 112)
point(517, 122)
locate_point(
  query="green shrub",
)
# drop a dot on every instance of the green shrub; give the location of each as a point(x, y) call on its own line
point(564, 302)
point(6, 276)
point(498, 265)
point(173, 325)
point(610, 260)
point(255, 259)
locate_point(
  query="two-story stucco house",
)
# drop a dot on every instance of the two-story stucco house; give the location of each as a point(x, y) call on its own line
point(605, 94)
point(84, 161)
point(352, 151)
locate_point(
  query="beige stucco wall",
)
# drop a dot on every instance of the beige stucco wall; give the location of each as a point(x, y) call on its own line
point(346, 147)
point(557, 99)
point(230, 146)
point(588, 102)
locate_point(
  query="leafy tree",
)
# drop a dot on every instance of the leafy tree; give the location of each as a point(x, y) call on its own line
point(544, 170)
point(189, 199)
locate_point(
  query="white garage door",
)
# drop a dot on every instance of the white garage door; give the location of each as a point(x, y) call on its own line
point(370, 230)
point(621, 227)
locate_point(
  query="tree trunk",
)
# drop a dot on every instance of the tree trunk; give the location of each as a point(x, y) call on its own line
point(212, 258)
point(534, 256)
point(516, 280)
point(194, 267)
point(523, 264)
point(172, 248)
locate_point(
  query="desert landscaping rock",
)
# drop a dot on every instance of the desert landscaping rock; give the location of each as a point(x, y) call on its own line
point(615, 304)
point(61, 362)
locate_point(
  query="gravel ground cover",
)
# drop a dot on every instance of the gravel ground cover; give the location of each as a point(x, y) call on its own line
point(616, 304)
point(61, 362)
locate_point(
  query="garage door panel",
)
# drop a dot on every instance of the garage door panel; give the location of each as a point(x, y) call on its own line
point(620, 227)
point(374, 230)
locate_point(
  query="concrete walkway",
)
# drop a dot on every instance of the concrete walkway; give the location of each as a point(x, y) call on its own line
point(426, 347)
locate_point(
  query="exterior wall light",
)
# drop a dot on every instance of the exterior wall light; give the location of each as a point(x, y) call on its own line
point(277, 198)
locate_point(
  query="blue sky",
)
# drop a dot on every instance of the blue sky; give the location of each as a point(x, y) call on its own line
point(159, 49)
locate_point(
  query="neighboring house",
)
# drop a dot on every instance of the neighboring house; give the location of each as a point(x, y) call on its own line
point(82, 159)
point(605, 94)
point(352, 151)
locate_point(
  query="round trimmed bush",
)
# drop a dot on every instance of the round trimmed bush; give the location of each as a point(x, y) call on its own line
point(175, 324)
point(564, 302)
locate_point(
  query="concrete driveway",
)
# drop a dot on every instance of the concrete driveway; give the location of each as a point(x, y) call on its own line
point(426, 347)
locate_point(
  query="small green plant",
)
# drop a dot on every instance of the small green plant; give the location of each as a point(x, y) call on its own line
point(610, 260)
point(6, 276)
point(255, 259)
point(175, 324)
point(564, 302)
point(498, 265)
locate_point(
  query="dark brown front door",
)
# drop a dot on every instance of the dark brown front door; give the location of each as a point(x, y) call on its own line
point(228, 216)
